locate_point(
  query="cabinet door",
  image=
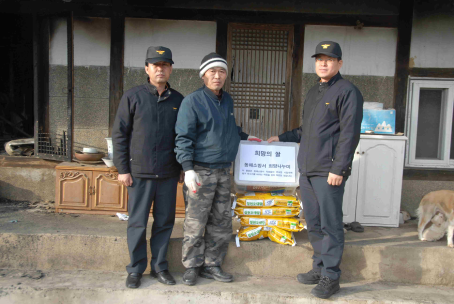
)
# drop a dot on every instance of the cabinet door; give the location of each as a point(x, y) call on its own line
point(108, 193)
point(380, 182)
point(180, 208)
point(351, 186)
point(72, 189)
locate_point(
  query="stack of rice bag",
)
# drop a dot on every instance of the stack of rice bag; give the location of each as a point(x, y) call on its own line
point(271, 215)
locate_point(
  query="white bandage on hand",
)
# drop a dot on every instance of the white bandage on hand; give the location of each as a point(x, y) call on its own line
point(191, 180)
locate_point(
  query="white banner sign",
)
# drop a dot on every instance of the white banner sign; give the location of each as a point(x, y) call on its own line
point(267, 163)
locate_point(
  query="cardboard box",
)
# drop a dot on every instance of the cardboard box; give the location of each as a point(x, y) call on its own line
point(379, 121)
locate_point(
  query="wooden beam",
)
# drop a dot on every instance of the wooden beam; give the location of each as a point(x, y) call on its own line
point(116, 61)
point(221, 37)
point(432, 72)
point(404, 29)
point(296, 99)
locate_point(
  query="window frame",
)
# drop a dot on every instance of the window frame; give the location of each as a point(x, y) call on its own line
point(415, 84)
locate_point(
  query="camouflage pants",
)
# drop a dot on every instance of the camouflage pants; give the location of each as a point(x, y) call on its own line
point(208, 221)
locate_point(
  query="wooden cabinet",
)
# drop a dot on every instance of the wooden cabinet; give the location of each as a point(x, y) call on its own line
point(373, 191)
point(95, 189)
point(89, 189)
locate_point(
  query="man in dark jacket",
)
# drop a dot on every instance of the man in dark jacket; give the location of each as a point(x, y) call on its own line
point(206, 144)
point(143, 137)
point(332, 115)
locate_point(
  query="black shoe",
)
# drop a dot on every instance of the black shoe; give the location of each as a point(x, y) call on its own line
point(312, 277)
point(190, 276)
point(133, 280)
point(163, 277)
point(216, 273)
point(326, 288)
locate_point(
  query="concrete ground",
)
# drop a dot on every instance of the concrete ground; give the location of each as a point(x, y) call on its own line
point(40, 219)
point(75, 258)
point(67, 287)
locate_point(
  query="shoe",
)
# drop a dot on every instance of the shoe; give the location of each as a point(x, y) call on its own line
point(312, 277)
point(190, 276)
point(133, 280)
point(216, 273)
point(163, 277)
point(326, 288)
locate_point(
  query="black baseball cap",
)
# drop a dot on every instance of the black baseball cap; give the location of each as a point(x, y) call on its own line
point(158, 53)
point(328, 48)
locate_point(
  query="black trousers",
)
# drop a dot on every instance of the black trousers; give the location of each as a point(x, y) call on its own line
point(322, 205)
point(144, 191)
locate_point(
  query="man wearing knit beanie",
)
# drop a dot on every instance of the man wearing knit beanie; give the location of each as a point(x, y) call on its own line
point(206, 144)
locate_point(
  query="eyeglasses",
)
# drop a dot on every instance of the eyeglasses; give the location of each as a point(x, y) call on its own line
point(329, 60)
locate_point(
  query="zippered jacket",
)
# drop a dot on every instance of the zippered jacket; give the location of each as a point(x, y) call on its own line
point(207, 133)
point(143, 134)
point(329, 137)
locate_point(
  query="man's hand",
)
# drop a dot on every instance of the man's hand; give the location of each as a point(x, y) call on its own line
point(273, 138)
point(125, 179)
point(181, 180)
point(334, 179)
point(191, 180)
point(253, 138)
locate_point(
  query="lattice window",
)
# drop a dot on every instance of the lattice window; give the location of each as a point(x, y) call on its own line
point(260, 80)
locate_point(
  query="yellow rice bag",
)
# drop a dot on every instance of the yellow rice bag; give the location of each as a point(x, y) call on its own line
point(281, 236)
point(252, 233)
point(267, 212)
point(289, 224)
point(257, 200)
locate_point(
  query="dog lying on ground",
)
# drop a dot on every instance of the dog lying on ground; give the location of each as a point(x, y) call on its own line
point(436, 216)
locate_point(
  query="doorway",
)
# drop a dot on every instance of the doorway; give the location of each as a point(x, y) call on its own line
point(260, 58)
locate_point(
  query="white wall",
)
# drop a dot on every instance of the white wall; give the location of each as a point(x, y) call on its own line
point(189, 41)
point(91, 42)
point(432, 41)
point(369, 51)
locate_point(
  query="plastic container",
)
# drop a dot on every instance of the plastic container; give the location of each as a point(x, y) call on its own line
point(108, 161)
point(109, 147)
point(266, 167)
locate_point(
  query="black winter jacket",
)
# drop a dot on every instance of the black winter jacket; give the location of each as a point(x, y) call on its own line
point(143, 134)
point(330, 136)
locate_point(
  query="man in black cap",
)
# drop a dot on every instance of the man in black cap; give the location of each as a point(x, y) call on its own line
point(143, 137)
point(331, 128)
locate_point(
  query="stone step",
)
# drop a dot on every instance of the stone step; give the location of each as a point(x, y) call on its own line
point(386, 261)
point(21, 286)
point(59, 242)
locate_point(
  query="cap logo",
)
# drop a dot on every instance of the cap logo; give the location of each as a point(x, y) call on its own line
point(160, 52)
point(325, 46)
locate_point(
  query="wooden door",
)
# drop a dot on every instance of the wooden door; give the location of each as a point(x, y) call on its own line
point(260, 61)
point(73, 189)
point(107, 193)
point(380, 182)
point(351, 188)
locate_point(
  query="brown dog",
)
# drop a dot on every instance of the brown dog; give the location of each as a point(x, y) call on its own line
point(436, 208)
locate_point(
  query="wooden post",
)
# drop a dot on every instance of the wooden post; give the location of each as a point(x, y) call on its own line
point(296, 99)
point(40, 77)
point(116, 60)
point(221, 38)
point(404, 29)
point(36, 60)
point(70, 103)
